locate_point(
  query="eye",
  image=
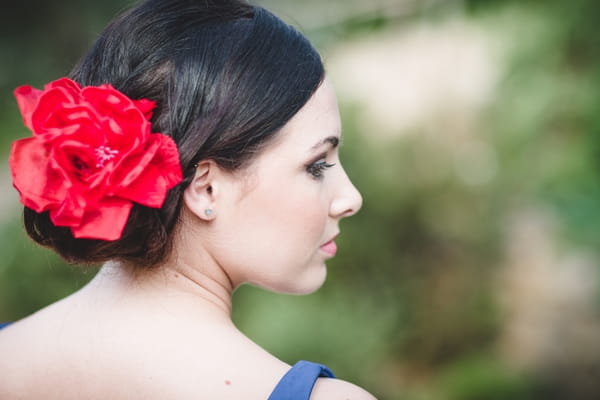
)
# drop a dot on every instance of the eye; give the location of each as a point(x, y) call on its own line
point(317, 168)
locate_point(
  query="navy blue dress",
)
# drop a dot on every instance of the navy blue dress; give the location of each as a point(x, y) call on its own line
point(298, 382)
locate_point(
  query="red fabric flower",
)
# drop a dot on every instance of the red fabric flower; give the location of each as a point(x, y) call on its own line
point(92, 155)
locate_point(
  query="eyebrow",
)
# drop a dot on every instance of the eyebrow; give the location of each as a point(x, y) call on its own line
point(334, 141)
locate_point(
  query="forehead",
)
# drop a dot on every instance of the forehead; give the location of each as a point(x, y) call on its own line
point(318, 119)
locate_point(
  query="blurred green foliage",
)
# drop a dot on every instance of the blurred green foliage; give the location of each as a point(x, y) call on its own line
point(410, 308)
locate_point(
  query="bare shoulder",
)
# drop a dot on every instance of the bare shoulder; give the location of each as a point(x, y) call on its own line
point(334, 389)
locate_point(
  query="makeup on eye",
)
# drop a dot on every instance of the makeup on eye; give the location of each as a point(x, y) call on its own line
point(318, 167)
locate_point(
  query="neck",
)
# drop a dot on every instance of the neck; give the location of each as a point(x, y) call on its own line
point(190, 278)
point(201, 289)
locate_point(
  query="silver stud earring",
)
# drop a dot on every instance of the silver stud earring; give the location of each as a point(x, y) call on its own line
point(208, 212)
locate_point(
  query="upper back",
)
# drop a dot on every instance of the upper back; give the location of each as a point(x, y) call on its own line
point(59, 353)
point(68, 351)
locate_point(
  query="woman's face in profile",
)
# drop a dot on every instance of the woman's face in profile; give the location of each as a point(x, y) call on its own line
point(278, 229)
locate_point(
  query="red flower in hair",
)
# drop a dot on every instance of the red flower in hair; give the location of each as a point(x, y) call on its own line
point(92, 155)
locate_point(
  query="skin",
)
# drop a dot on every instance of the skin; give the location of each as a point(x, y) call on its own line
point(167, 332)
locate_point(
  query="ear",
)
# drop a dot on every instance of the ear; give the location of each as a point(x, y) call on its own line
point(201, 194)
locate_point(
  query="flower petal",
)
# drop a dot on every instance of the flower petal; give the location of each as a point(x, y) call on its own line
point(161, 174)
point(70, 212)
point(70, 85)
point(27, 99)
point(50, 103)
point(106, 222)
point(40, 187)
point(77, 163)
point(146, 107)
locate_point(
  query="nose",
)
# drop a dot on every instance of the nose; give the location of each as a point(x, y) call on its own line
point(347, 200)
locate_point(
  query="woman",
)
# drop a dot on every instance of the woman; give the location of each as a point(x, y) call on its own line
point(194, 150)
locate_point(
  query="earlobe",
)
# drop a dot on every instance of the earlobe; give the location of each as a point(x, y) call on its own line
point(199, 196)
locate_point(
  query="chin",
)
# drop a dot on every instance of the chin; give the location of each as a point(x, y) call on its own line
point(307, 283)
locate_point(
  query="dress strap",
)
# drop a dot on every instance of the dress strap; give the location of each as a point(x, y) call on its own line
point(298, 382)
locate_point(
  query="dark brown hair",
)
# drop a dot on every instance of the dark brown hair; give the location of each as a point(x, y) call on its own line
point(226, 77)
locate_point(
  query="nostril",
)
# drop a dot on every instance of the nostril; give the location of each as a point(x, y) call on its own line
point(348, 203)
point(356, 202)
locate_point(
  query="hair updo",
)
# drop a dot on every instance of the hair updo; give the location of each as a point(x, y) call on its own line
point(225, 75)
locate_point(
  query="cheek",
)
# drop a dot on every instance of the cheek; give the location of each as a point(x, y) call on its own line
point(276, 236)
point(291, 215)
point(300, 211)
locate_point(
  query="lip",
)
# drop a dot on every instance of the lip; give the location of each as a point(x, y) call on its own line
point(330, 247)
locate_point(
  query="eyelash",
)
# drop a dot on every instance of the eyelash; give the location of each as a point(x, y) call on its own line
point(317, 168)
